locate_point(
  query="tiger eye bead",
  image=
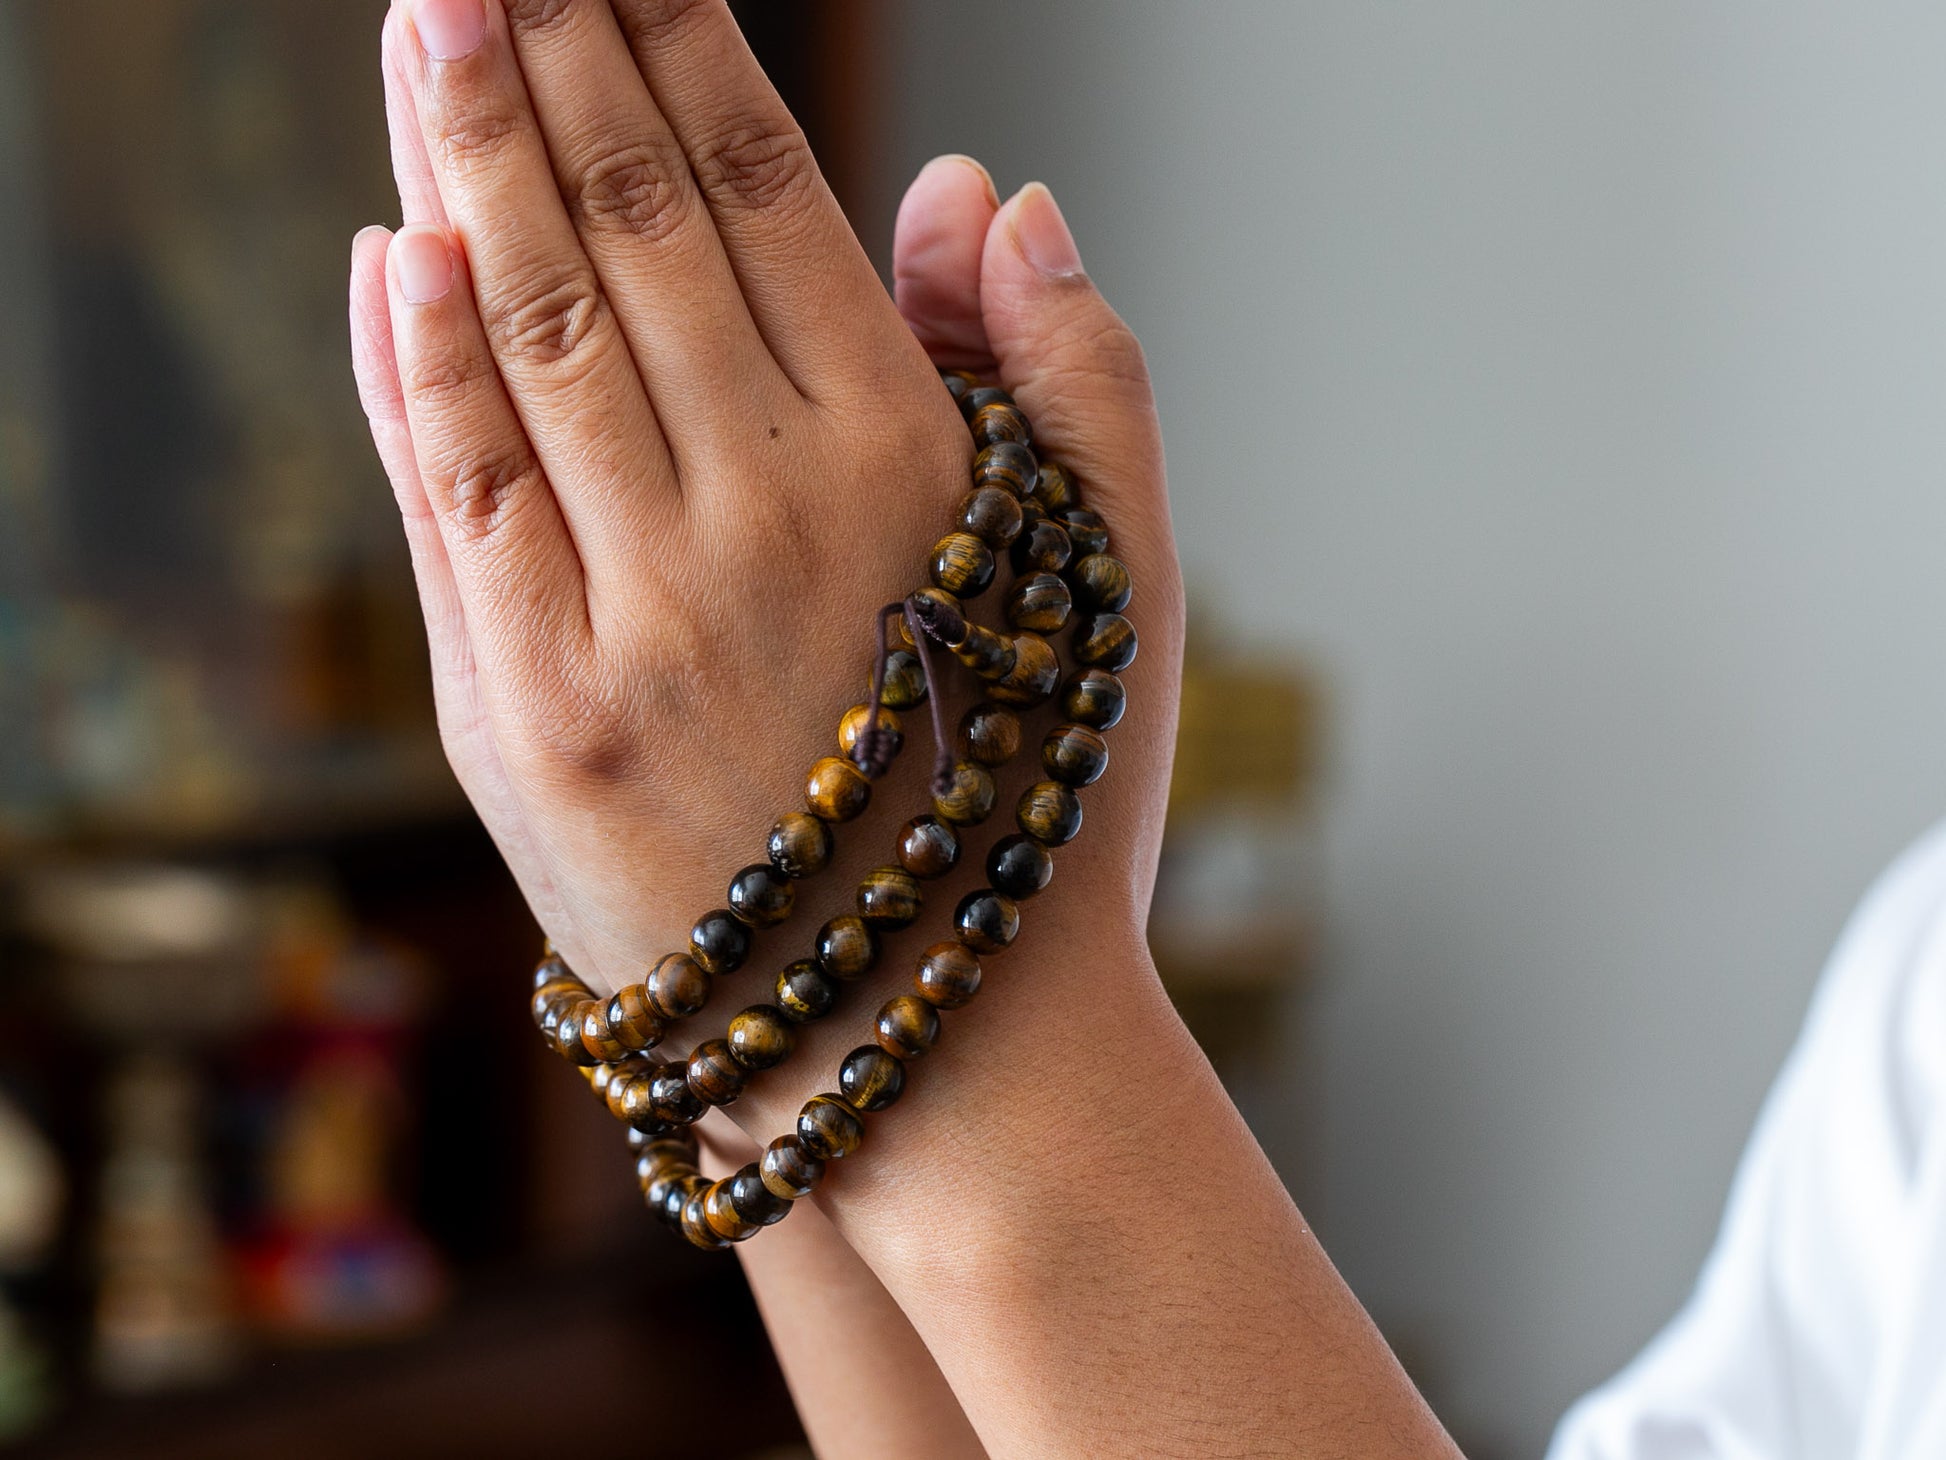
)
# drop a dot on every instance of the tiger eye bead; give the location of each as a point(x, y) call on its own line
point(1075, 755)
point(677, 1194)
point(1042, 547)
point(1040, 602)
point(983, 395)
point(871, 1079)
point(1049, 812)
point(723, 1217)
point(1094, 697)
point(992, 514)
point(596, 1037)
point(762, 895)
point(828, 1127)
point(847, 948)
point(986, 921)
point(552, 968)
point(987, 654)
point(788, 1170)
point(1037, 669)
point(1007, 466)
point(1056, 489)
point(1105, 641)
point(996, 422)
point(1019, 866)
point(668, 1152)
point(907, 1026)
point(1086, 531)
point(836, 789)
point(553, 999)
point(632, 1020)
point(1102, 583)
point(720, 942)
point(888, 898)
point(905, 681)
point(855, 720)
point(968, 801)
point(714, 1073)
point(989, 734)
point(761, 1037)
point(928, 847)
point(962, 565)
point(948, 975)
point(958, 382)
point(660, 1181)
point(567, 1035)
point(754, 1201)
point(938, 598)
point(696, 1226)
point(799, 845)
point(671, 1097)
point(677, 986)
point(630, 1094)
point(805, 992)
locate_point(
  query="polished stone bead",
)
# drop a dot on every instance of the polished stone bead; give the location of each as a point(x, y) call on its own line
point(1086, 530)
point(854, 722)
point(762, 895)
point(946, 604)
point(962, 565)
point(671, 1097)
point(992, 514)
point(632, 1020)
point(989, 655)
point(552, 968)
point(805, 991)
point(567, 1034)
point(1019, 866)
point(1008, 466)
point(1102, 583)
point(870, 1078)
point(959, 382)
point(969, 799)
point(1094, 697)
point(676, 1196)
point(788, 1170)
point(1042, 547)
point(799, 845)
point(948, 976)
point(828, 1127)
point(662, 1180)
point(1039, 601)
point(596, 1037)
point(1105, 641)
point(1056, 489)
point(836, 790)
point(715, 1073)
point(986, 920)
point(629, 1093)
point(928, 847)
point(905, 681)
point(553, 999)
point(665, 1151)
point(1049, 812)
point(723, 1217)
point(754, 1201)
point(847, 948)
point(761, 1037)
point(907, 1026)
point(720, 942)
point(677, 986)
point(1036, 671)
point(995, 422)
point(888, 898)
point(989, 734)
point(983, 395)
point(1074, 754)
point(639, 1136)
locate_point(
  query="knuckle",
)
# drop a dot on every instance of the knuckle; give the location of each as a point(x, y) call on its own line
point(529, 17)
point(637, 189)
point(478, 134)
point(756, 163)
point(548, 321)
point(444, 381)
point(487, 492)
point(653, 23)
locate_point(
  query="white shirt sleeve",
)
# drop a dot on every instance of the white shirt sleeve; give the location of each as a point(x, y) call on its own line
point(1811, 1334)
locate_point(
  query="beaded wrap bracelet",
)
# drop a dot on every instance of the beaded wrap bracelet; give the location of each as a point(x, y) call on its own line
point(1063, 573)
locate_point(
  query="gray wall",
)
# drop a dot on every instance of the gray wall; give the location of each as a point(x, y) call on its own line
point(1566, 380)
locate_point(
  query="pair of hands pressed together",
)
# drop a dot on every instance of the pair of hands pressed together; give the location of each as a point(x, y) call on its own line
point(662, 444)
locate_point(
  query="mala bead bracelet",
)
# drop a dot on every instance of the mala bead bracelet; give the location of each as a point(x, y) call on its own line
point(1064, 577)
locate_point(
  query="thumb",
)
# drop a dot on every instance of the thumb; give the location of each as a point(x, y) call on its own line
point(1078, 372)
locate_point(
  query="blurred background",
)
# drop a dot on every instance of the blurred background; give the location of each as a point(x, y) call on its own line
point(1552, 398)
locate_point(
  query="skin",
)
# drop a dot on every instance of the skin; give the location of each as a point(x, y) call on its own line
point(661, 446)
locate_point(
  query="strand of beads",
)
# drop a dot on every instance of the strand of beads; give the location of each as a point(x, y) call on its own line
point(1056, 538)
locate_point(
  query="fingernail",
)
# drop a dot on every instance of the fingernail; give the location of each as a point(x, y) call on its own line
point(960, 159)
point(423, 264)
point(1042, 234)
point(368, 231)
point(449, 29)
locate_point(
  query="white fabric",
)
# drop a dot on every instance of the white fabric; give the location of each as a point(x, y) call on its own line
point(1817, 1330)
